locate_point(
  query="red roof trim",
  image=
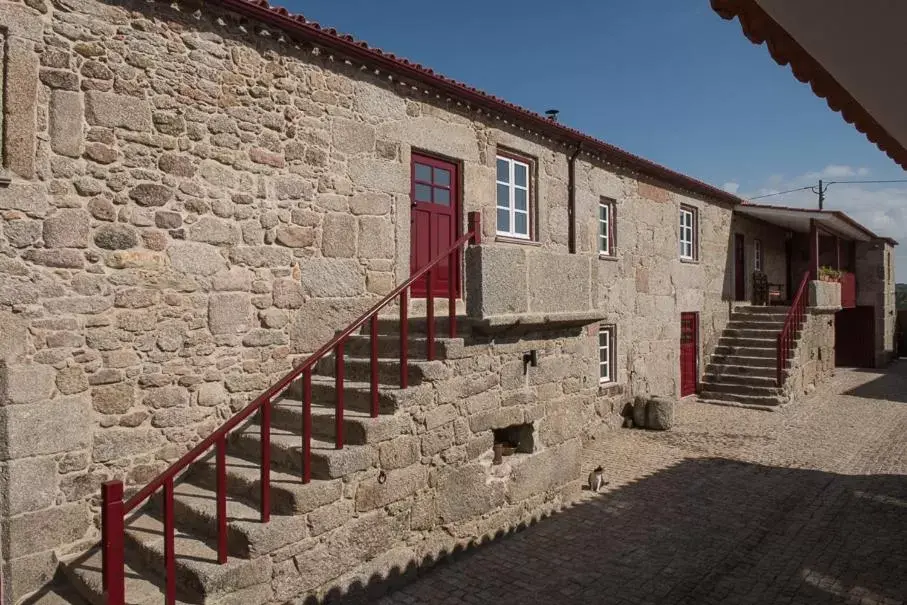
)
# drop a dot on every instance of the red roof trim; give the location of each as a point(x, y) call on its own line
point(836, 213)
point(759, 27)
point(298, 25)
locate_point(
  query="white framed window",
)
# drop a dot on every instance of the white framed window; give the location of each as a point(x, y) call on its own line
point(606, 227)
point(757, 254)
point(605, 354)
point(513, 177)
point(689, 244)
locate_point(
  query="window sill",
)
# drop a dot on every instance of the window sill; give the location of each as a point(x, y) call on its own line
point(610, 388)
point(690, 261)
point(611, 257)
point(4, 178)
point(516, 240)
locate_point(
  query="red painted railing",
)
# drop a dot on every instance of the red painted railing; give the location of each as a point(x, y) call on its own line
point(114, 509)
point(792, 323)
point(848, 290)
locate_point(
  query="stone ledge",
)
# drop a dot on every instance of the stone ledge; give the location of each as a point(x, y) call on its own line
point(538, 320)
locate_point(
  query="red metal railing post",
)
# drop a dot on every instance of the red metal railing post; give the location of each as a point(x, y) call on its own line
point(307, 425)
point(474, 224)
point(222, 499)
point(780, 361)
point(404, 337)
point(452, 293)
point(112, 522)
point(373, 376)
point(430, 315)
point(169, 550)
point(266, 461)
point(338, 415)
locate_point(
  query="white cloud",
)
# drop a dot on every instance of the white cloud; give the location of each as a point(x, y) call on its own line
point(731, 187)
point(832, 171)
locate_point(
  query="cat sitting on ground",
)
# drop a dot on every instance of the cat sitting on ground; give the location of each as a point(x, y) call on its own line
point(597, 479)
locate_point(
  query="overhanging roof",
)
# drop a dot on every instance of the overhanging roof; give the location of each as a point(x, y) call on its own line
point(798, 220)
point(409, 76)
point(853, 53)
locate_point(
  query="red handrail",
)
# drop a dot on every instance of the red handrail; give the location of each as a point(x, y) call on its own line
point(792, 323)
point(114, 510)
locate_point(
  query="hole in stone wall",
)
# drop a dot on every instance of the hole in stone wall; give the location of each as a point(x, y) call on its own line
point(515, 439)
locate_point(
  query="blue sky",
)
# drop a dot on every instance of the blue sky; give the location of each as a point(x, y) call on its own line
point(665, 79)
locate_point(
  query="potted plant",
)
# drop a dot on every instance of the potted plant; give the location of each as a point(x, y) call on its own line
point(830, 275)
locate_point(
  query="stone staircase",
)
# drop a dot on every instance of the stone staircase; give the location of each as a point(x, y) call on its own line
point(298, 511)
point(742, 369)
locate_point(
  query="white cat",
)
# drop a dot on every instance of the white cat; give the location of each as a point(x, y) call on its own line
point(597, 479)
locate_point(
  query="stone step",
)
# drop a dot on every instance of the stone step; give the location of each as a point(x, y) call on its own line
point(286, 452)
point(356, 394)
point(724, 350)
point(762, 310)
point(755, 323)
point(289, 495)
point(717, 385)
point(748, 333)
point(358, 369)
point(741, 379)
point(197, 569)
point(84, 573)
point(739, 341)
point(743, 361)
point(195, 512)
point(359, 345)
point(390, 324)
point(722, 369)
point(755, 400)
point(359, 427)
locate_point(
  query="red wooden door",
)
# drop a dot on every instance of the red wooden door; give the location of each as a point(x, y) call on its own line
point(689, 346)
point(433, 223)
point(739, 267)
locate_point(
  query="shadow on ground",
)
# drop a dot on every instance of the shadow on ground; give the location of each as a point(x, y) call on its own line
point(891, 385)
point(703, 530)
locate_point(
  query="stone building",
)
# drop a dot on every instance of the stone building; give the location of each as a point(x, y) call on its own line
point(196, 198)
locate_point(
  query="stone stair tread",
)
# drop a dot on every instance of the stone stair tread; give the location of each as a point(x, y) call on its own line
point(305, 496)
point(84, 571)
point(328, 409)
point(325, 455)
point(247, 535)
point(197, 568)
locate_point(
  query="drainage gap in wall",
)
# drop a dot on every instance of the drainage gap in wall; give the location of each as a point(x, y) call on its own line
point(514, 439)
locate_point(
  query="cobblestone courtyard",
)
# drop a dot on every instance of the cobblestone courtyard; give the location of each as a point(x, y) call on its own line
point(808, 505)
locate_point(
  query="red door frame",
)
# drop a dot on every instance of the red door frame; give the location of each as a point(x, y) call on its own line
point(689, 354)
point(425, 217)
point(739, 267)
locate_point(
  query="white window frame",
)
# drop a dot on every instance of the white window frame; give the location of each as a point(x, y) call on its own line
point(688, 236)
point(757, 255)
point(606, 239)
point(512, 188)
point(606, 367)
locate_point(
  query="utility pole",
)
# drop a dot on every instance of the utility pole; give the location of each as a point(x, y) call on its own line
point(823, 187)
point(821, 195)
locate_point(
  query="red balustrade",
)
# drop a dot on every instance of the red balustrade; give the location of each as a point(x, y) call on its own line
point(792, 324)
point(114, 509)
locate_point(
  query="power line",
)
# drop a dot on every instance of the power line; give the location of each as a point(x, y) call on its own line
point(891, 181)
point(758, 197)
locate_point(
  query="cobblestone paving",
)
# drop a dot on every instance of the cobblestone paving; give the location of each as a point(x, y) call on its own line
point(807, 505)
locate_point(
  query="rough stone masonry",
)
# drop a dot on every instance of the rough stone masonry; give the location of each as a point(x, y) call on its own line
point(197, 201)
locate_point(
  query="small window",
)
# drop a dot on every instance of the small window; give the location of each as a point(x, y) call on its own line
point(606, 227)
point(757, 254)
point(605, 354)
point(689, 228)
point(513, 178)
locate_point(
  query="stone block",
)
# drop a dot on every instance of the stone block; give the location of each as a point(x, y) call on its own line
point(66, 123)
point(398, 453)
point(215, 231)
point(495, 419)
point(315, 322)
point(151, 194)
point(330, 517)
point(560, 282)
point(328, 277)
point(370, 203)
point(113, 399)
point(27, 485)
point(116, 237)
point(13, 338)
point(166, 397)
point(72, 380)
point(196, 259)
point(565, 423)
point(261, 256)
point(29, 198)
point(212, 394)
point(659, 413)
point(27, 574)
point(25, 383)
point(117, 111)
point(440, 416)
point(398, 484)
point(21, 91)
point(67, 228)
point(498, 285)
point(639, 411)
point(47, 529)
point(339, 235)
point(61, 259)
point(352, 137)
point(287, 294)
point(116, 443)
point(59, 425)
point(229, 312)
point(465, 492)
point(376, 237)
point(546, 470)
